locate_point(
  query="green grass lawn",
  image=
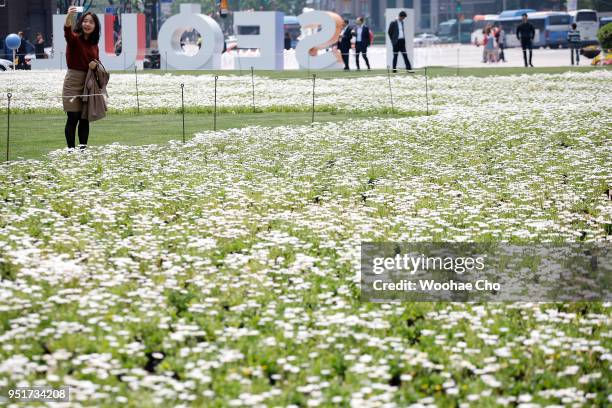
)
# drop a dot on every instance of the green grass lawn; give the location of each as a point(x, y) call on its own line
point(432, 71)
point(35, 134)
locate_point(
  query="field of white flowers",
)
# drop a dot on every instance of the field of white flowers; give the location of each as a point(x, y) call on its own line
point(224, 271)
point(41, 90)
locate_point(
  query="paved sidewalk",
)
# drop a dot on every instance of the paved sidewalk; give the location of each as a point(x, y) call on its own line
point(468, 56)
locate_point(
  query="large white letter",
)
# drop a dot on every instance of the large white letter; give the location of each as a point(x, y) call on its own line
point(390, 15)
point(129, 43)
point(169, 40)
point(269, 40)
point(331, 25)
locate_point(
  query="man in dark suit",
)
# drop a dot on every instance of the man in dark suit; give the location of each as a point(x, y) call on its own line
point(344, 44)
point(398, 40)
point(362, 41)
point(525, 33)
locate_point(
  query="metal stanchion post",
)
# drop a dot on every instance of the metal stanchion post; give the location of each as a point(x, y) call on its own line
point(8, 124)
point(215, 109)
point(183, 108)
point(314, 79)
point(137, 98)
point(457, 61)
point(390, 89)
point(253, 87)
point(426, 92)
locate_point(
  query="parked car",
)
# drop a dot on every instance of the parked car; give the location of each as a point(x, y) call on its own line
point(425, 40)
point(5, 65)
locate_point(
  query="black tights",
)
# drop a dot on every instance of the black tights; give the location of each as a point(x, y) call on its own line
point(74, 118)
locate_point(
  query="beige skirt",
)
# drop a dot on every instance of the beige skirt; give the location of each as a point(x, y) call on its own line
point(74, 84)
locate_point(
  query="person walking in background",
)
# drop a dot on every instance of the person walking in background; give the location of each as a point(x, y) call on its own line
point(287, 40)
point(39, 46)
point(21, 52)
point(484, 42)
point(500, 36)
point(397, 35)
point(573, 39)
point(344, 44)
point(525, 33)
point(82, 54)
point(362, 41)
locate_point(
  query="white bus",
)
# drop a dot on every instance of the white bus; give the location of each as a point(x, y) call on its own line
point(588, 24)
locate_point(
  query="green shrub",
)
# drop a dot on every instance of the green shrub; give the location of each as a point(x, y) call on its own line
point(605, 36)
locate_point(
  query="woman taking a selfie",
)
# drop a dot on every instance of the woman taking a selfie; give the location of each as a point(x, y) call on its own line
point(81, 55)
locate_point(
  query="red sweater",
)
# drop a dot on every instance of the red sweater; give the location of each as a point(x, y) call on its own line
point(79, 52)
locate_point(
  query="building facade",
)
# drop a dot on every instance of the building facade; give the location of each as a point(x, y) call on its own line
point(29, 16)
point(429, 13)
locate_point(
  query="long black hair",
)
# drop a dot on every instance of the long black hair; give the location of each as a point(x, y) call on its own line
point(94, 37)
